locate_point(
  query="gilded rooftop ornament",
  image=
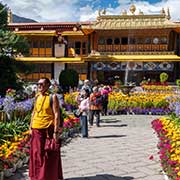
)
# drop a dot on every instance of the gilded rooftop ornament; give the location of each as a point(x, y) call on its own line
point(137, 21)
point(168, 14)
point(162, 11)
point(132, 8)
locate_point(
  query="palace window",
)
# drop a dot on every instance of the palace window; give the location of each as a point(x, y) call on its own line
point(155, 40)
point(132, 40)
point(140, 41)
point(48, 44)
point(35, 44)
point(41, 45)
point(84, 48)
point(116, 41)
point(101, 41)
point(163, 40)
point(147, 40)
point(124, 40)
point(78, 47)
point(109, 41)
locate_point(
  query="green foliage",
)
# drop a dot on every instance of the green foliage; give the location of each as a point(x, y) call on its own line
point(163, 77)
point(3, 16)
point(68, 78)
point(148, 104)
point(100, 76)
point(178, 83)
point(11, 46)
point(8, 73)
point(15, 127)
point(161, 104)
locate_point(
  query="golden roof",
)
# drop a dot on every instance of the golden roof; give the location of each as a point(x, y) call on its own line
point(109, 22)
point(132, 21)
point(72, 33)
point(36, 33)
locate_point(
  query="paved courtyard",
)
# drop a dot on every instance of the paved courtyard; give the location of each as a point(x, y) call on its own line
point(118, 150)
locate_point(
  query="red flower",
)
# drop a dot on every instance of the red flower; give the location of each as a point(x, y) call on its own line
point(151, 157)
point(6, 166)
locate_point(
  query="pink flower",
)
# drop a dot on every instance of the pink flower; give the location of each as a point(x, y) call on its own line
point(151, 157)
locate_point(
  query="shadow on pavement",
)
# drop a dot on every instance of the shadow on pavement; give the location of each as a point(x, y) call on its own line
point(113, 125)
point(109, 120)
point(102, 177)
point(108, 136)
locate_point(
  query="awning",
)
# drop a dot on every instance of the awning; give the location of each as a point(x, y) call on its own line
point(36, 33)
point(51, 59)
point(139, 58)
point(87, 31)
point(177, 29)
point(72, 33)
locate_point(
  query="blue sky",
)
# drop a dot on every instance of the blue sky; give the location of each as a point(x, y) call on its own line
point(85, 10)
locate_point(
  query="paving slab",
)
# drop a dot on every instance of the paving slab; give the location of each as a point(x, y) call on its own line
point(120, 149)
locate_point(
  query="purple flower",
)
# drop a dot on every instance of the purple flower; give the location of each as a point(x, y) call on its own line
point(8, 104)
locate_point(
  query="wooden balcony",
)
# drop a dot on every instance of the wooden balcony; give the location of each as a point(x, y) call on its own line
point(154, 47)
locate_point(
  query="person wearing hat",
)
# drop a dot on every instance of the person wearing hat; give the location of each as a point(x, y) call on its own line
point(86, 85)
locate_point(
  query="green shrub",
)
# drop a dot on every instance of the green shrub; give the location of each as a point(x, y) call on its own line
point(178, 83)
point(68, 78)
point(163, 77)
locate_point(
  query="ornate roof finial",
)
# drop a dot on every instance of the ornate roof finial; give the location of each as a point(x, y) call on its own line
point(99, 12)
point(124, 12)
point(162, 11)
point(168, 14)
point(9, 16)
point(104, 11)
point(132, 8)
point(140, 12)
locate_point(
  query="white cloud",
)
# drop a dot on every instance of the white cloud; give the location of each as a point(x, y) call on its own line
point(72, 10)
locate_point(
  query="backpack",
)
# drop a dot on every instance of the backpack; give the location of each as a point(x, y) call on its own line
point(60, 109)
point(97, 100)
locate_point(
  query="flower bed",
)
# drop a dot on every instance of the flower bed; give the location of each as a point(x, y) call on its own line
point(168, 132)
point(14, 151)
point(139, 103)
point(136, 103)
point(13, 154)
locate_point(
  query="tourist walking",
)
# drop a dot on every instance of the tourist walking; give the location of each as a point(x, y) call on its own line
point(104, 92)
point(84, 108)
point(86, 85)
point(45, 165)
point(95, 108)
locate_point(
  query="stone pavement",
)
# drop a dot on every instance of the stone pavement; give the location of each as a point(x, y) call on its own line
point(118, 150)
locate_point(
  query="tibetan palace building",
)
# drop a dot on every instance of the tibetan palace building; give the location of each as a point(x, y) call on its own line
point(145, 45)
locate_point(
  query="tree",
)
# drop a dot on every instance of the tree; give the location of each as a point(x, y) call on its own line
point(11, 46)
point(3, 16)
point(163, 77)
point(68, 78)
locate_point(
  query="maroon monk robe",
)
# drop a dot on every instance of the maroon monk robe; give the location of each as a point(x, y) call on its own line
point(43, 165)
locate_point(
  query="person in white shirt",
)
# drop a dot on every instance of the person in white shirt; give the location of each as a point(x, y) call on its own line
point(84, 108)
